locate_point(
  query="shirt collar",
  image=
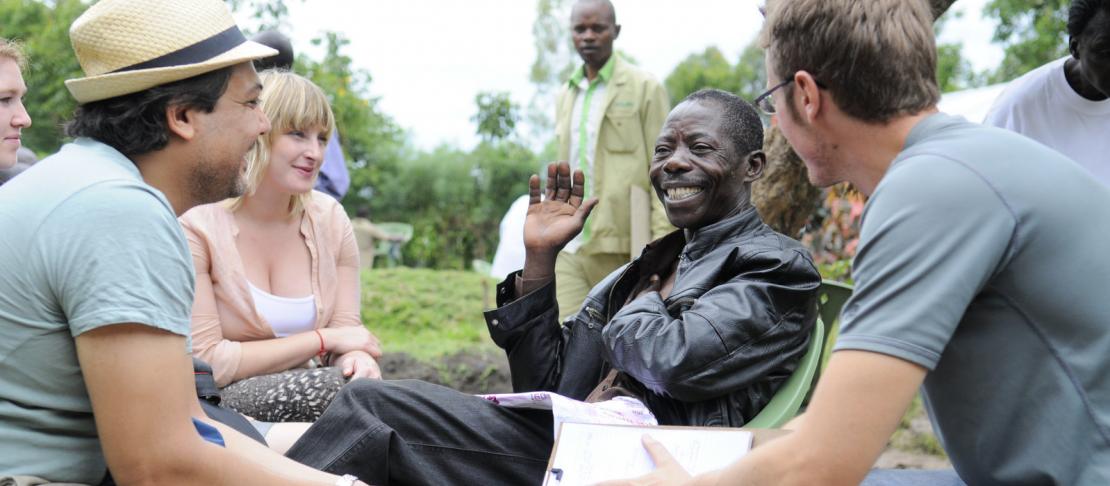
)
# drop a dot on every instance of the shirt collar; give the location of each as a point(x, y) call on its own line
point(107, 152)
point(604, 75)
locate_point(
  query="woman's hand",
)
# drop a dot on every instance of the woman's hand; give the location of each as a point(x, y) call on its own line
point(343, 340)
point(358, 364)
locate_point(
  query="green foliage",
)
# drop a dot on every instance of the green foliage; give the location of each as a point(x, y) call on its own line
point(751, 73)
point(497, 115)
point(709, 69)
point(44, 30)
point(371, 140)
point(1032, 33)
point(270, 14)
point(954, 73)
point(553, 63)
point(454, 200)
point(839, 270)
point(426, 313)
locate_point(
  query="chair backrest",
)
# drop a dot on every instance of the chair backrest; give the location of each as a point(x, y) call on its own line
point(830, 301)
point(795, 392)
point(788, 399)
point(394, 229)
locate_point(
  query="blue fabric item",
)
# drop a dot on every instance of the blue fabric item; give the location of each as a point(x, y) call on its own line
point(334, 179)
point(209, 433)
point(908, 477)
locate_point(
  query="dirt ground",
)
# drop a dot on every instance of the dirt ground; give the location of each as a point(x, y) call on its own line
point(913, 446)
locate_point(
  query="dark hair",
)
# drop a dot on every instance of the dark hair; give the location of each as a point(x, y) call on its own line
point(135, 123)
point(276, 40)
point(605, 3)
point(739, 120)
point(877, 59)
point(1082, 12)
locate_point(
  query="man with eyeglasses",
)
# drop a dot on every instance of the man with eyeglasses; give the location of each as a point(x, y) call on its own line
point(981, 273)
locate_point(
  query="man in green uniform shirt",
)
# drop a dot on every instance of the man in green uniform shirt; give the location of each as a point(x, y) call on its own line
point(608, 116)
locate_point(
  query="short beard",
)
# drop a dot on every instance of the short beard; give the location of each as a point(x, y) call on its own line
point(211, 182)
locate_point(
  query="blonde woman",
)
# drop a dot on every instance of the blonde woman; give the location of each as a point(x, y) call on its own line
point(13, 116)
point(277, 292)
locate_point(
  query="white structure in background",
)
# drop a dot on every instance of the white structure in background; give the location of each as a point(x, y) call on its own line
point(972, 104)
point(510, 246)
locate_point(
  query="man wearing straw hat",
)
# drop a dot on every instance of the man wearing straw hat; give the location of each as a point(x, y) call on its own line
point(97, 285)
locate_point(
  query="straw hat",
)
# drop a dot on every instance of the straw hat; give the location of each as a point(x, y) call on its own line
point(127, 46)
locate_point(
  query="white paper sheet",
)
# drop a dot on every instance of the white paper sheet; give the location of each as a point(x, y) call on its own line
point(619, 410)
point(588, 453)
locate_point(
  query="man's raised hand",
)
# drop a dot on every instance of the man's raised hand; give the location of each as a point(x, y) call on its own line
point(560, 215)
point(552, 222)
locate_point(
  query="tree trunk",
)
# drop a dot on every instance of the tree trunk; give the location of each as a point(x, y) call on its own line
point(784, 197)
point(939, 7)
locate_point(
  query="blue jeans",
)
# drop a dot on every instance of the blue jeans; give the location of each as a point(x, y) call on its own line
point(912, 477)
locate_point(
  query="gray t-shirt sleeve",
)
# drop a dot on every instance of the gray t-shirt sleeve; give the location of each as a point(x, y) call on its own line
point(114, 253)
point(926, 249)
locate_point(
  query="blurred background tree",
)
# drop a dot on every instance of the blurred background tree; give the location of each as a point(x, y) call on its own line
point(497, 115)
point(1031, 33)
point(455, 197)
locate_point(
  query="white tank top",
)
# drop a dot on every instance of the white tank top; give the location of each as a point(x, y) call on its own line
point(287, 316)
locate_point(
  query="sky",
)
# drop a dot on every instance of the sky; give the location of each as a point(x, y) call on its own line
point(429, 58)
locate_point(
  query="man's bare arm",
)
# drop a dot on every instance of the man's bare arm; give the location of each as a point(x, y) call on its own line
point(855, 409)
point(857, 405)
point(141, 384)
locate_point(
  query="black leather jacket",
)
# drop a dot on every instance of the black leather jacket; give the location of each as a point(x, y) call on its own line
point(713, 353)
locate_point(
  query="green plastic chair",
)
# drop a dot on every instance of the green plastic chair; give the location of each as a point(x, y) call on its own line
point(383, 247)
point(832, 298)
point(789, 399)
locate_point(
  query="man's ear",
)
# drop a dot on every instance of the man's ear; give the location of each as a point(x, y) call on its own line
point(616, 31)
point(757, 161)
point(806, 89)
point(181, 121)
point(1073, 47)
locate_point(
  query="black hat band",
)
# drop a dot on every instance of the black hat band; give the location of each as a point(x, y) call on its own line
point(195, 53)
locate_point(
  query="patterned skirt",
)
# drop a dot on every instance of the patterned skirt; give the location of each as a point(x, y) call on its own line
point(297, 395)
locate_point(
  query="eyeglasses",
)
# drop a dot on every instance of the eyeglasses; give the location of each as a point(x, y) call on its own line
point(766, 104)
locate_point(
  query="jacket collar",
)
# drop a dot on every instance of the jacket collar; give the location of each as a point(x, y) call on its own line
point(663, 251)
point(704, 240)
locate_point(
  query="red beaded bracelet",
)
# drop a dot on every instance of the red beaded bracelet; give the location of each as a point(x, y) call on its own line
point(322, 350)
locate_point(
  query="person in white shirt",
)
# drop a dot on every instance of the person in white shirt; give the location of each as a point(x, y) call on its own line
point(1065, 104)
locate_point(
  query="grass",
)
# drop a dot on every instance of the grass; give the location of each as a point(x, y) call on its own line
point(426, 313)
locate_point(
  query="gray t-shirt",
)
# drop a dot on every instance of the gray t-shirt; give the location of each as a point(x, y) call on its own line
point(84, 243)
point(983, 258)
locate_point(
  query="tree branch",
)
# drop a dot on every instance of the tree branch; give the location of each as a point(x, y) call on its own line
point(939, 7)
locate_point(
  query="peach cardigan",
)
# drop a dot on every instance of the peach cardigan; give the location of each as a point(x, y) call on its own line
point(224, 314)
